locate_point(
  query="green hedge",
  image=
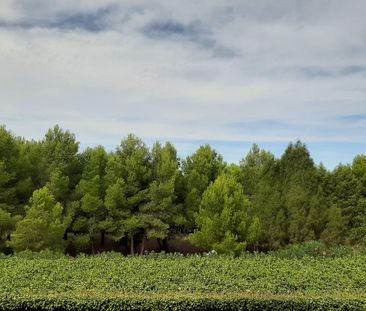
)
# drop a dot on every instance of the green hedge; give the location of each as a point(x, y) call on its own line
point(175, 282)
point(174, 302)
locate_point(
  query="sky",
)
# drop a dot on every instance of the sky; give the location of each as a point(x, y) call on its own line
point(225, 72)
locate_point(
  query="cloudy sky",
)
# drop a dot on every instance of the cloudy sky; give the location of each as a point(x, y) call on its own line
point(224, 72)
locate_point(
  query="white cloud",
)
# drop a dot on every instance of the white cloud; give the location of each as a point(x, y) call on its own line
point(209, 64)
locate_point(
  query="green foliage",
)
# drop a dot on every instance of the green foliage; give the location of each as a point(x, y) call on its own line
point(288, 198)
point(14, 184)
point(334, 232)
point(313, 249)
point(43, 226)
point(299, 189)
point(128, 176)
point(166, 282)
point(118, 209)
point(223, 220)
point(90, 212)
point(253, 169)
point(131, 162)
point(143, 193)
point(62, 165)
point(161, 210)
point(60, 149)
point(359, 170)
point(58, 184)
point(199, 169)
point(43, 254)
point(244, 302)
point(347, 194)
point(7, 225)
point(81, 242)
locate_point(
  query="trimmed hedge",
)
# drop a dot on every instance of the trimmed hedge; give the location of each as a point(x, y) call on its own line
point(174, 282)
point(178, 302)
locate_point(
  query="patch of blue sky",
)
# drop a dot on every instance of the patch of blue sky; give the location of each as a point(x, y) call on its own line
point(353, 117)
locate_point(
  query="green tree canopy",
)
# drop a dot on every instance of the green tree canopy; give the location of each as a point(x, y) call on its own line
point(43, 226)
point(224, 222)
point(161, 210)
point(128, 177)
point(199, 169)
point(254, 167)
point(9, 153)
point(89, 211)
point(7, 225)
point(60, 150)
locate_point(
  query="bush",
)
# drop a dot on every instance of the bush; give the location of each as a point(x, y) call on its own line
point(313, 249)
point(45, 254)
point(111, 281)
point(81, 243)
point(178, 302)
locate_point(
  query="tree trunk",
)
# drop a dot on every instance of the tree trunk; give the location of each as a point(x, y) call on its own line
point(92, 245)
point(102, 237)
point(125, 244)
point(142, 246)
point(132, 246)
point(163, 244)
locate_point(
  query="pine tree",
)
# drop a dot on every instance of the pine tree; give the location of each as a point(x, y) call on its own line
point(128, 176)
point(161, 211)
point(200, 169)
point(223, 221)
point(90, 211)
point(43, 226)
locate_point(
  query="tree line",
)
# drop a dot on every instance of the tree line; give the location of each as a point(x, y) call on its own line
point(51, 195)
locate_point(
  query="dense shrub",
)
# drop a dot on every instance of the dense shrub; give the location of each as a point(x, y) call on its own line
point(165, 282)
point(313, 249)
point(45, 254)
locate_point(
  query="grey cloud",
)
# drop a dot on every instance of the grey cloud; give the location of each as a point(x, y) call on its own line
point(350, 70)
point(210, 69)
point(89, 21)
point(193, 32)
point(320, 72)
point(172, 29)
